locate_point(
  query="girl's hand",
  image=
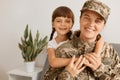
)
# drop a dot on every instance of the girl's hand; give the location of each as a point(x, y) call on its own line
point(99, 46)
point(93, 60)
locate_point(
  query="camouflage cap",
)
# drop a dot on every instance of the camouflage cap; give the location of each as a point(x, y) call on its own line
point(97, 6)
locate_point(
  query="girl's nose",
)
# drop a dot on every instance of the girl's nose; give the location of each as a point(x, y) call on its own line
point(62, 23)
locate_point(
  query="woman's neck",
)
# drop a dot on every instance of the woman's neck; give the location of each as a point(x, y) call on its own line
point(85, 39)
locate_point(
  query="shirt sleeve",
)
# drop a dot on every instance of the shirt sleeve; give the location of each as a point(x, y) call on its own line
point(110, 67)
point(50, 44)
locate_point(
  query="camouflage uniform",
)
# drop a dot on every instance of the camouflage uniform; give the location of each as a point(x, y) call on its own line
point(109, 69)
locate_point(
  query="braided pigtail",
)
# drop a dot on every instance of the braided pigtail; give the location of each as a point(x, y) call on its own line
point(69, 35)
point(51, 36)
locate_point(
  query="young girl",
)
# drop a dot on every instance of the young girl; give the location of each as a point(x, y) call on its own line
point(62, 23)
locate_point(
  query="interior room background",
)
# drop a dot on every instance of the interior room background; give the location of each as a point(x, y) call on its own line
point(15, 14)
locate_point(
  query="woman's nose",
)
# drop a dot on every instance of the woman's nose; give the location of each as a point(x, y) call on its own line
point(92, 23)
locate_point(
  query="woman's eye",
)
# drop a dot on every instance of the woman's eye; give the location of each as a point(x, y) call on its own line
point(98, 21)
point(87, 18)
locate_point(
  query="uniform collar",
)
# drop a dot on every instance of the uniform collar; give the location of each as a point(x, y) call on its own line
point(78, 42)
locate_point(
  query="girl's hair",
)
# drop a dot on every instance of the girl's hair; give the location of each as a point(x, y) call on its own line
point(62, 11)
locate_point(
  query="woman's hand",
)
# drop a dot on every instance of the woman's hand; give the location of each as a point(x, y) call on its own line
point(75, 67)
point(93, 60)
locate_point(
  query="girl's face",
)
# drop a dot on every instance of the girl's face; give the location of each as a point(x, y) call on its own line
point(91, 24)
point(62, 25)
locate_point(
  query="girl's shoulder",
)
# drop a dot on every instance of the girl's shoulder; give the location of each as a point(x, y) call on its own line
point(52, 44)
point(53, 41)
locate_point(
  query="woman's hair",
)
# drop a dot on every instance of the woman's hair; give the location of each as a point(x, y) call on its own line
point(62, 11)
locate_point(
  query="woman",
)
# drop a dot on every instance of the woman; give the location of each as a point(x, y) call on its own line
point(90, 66)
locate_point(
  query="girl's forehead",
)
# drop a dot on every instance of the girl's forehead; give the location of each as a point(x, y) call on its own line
point(62, 17)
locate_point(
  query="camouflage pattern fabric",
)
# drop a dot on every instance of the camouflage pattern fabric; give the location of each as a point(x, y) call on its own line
point(98, 7)
point(109, 70)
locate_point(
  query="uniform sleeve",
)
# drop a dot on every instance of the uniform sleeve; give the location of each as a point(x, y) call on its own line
point(110, 67)
point(65, 75)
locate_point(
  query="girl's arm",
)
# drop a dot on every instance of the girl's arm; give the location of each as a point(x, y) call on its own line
point(94, 60)
point(99, 46)
point(56, 62)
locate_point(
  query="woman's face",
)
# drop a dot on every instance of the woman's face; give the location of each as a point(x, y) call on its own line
point(91, 24)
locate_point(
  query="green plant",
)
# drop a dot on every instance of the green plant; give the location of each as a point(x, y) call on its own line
point(30, 47)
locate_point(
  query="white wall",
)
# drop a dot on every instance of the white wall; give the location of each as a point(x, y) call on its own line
point(15, 14)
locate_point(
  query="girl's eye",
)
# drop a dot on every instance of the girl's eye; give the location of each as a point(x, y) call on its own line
point(58, 20)
point(68, 21)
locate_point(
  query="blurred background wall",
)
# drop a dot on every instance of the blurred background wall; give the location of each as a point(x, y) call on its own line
point(15, 14)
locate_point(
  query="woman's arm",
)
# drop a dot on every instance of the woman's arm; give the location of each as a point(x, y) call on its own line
point(73, 69)
point(110, 68)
